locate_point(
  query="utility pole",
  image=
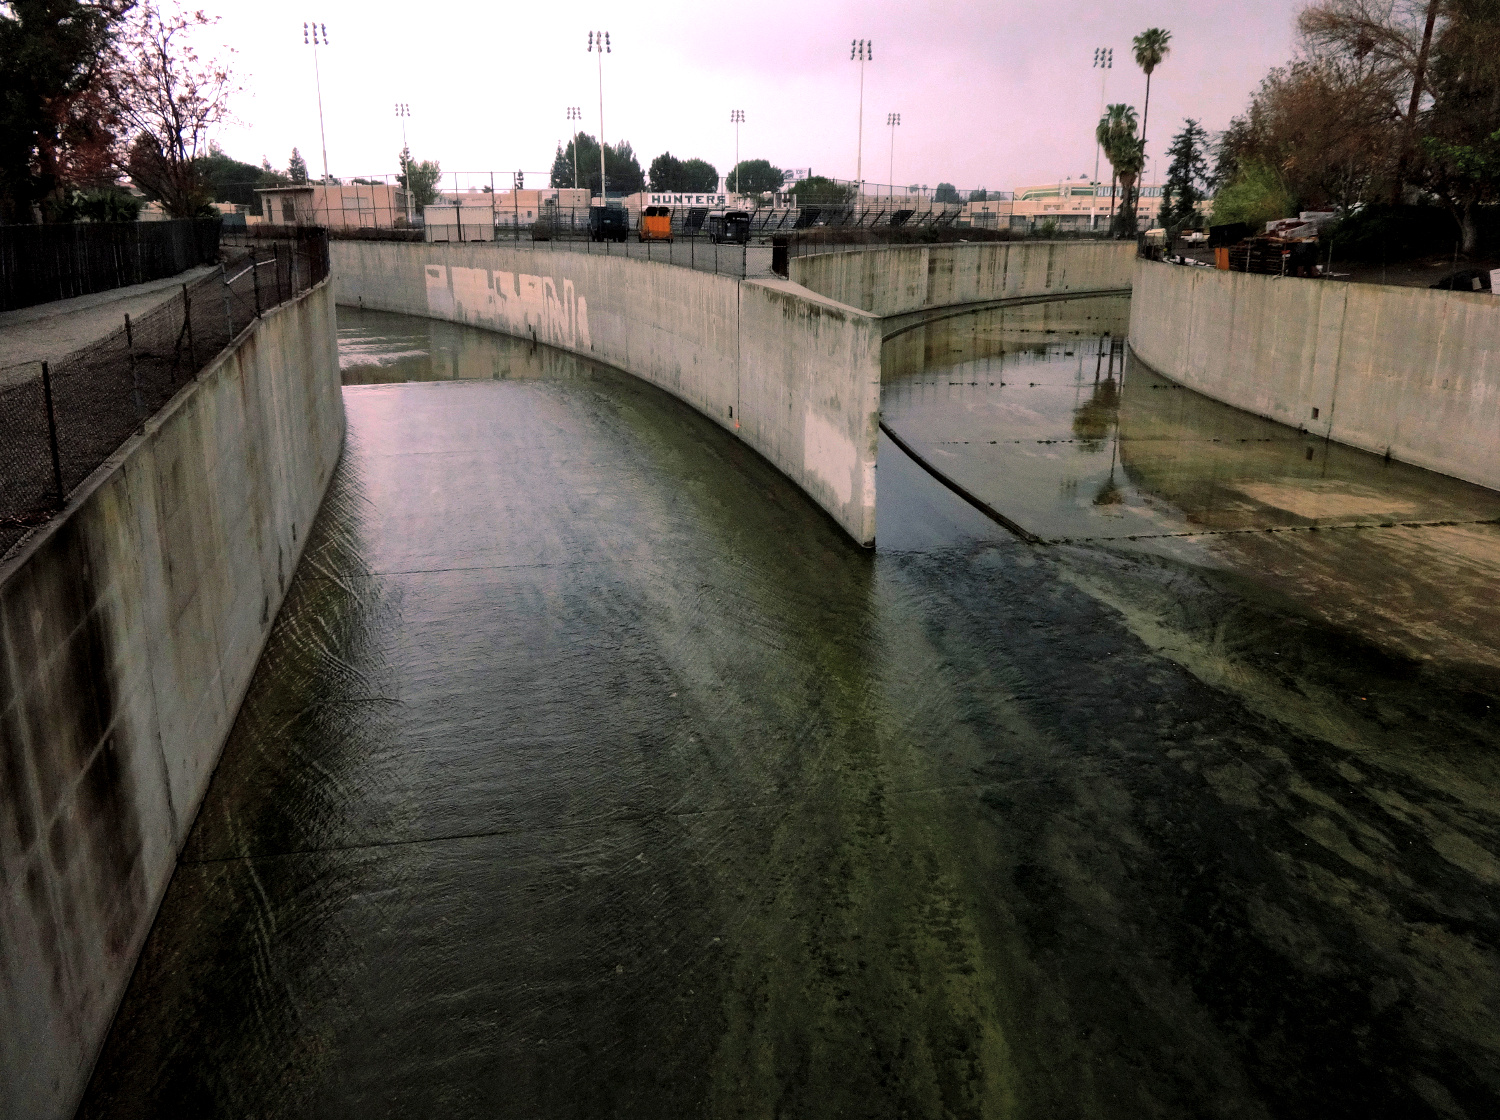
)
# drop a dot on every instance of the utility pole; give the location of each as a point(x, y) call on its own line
point(736, 118)
point(892, 119)
point(316, 35)
point(599, 43)
point(1104, 60)
point(861, 51)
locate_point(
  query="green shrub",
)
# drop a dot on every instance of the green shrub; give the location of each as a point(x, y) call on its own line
point(1256, 196)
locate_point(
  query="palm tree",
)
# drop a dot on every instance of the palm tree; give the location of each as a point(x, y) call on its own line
point(1129, 158)
point(1116, 135)
point(1151, 46)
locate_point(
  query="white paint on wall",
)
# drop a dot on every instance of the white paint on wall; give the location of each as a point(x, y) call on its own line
point(827, 454)
point(516, 303)
point(439, 297)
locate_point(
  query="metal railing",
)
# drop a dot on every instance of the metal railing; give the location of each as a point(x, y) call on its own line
point(771, 234)
point(60, 420)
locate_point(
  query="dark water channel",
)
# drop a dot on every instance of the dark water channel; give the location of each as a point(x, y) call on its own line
point(590, 771)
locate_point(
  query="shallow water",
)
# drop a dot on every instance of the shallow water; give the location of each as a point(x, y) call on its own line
point(591, 771)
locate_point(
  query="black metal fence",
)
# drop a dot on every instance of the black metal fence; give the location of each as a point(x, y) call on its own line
point(760, 246)
point(60, 420)
point(39, 264)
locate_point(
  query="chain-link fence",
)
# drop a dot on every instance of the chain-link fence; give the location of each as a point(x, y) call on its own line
point(60, 420)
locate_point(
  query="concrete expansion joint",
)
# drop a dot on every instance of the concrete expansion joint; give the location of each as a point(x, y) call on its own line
point(1355, 525)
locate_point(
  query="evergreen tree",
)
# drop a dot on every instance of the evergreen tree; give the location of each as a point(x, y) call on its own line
point(420, 177)
point(625, 174)
point(296, 167)
point(668, 173)
point(1187, 179)
point(755, 176)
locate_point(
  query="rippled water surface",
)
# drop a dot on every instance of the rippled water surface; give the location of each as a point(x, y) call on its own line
point(591, 771)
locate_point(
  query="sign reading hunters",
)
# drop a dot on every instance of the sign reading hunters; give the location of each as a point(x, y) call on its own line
point(709, 200)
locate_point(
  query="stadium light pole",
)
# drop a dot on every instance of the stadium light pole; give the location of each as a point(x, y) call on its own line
point(403, 110)
point(315, 35)
point(1104, 60)
point(599, 44)
point(893, 120)
point(736, 118)
point(574, 114)
point(861, 51)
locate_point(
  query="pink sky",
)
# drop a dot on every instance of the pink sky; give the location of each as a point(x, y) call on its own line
point(994, 95)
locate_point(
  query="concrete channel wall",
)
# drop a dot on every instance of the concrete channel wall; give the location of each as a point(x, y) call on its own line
point(793, 374)
point(907, 278)
point(1406, 371)
point(129, 630)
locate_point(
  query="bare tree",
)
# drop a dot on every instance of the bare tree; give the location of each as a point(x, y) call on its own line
point(1392, 37)
point(170, 97)
point(1327, 126)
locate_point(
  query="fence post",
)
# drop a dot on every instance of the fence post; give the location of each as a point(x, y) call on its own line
point(135, 377)
point(228, 318)
point(62, 497)
point(255, 280)
point(187, 325)
point(276, 268)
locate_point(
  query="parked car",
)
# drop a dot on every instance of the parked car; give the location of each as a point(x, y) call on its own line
point(609, 223)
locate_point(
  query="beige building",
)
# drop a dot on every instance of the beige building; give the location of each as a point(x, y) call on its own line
point(1076, 204)
point(511, 208)
point(480, 215)
point(346, 206)
point(992, 213)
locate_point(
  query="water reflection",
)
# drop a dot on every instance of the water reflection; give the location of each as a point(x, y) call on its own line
point(380, 348)
point(1056, 429)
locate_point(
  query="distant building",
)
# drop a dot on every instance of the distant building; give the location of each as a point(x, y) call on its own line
point(343, 206)
point(479, 215)
point(1070, 203)
point(992, 213)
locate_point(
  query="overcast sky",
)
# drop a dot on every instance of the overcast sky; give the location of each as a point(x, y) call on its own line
point(998, 95)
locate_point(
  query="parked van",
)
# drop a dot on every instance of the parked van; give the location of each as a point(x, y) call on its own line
point(656, 223)
point(608, 223)
point(732, 226)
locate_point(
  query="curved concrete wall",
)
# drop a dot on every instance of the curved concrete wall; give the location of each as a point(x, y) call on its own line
point(1409, 371)
point(129, 630)
point(907, 278)
point(793, 374)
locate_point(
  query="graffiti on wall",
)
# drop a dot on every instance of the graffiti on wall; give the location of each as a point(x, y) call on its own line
point(515, 303)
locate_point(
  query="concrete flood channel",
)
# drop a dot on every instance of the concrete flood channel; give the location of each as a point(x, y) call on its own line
point(591, 771)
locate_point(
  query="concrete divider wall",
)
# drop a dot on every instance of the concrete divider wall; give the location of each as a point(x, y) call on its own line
point(901, 279)
point(794, 374)
point(1409, 371)
point(129, 631)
